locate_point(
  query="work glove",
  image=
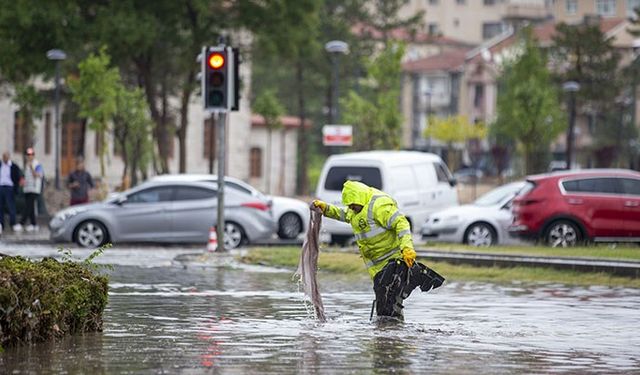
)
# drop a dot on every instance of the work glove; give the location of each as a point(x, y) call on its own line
point(318, 204)
point(409, 256)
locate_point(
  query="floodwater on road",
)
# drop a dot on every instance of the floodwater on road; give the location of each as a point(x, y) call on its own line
point(218, 316)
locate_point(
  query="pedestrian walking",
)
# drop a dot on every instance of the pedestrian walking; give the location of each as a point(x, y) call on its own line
point(79, 182)
point(383, 236)
point(10, 179)
point(33, 177)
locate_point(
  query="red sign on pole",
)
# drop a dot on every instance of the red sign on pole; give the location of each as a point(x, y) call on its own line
point(337, 135)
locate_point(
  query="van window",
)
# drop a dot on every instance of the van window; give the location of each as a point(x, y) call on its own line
point(442, 172)
point(338, 175)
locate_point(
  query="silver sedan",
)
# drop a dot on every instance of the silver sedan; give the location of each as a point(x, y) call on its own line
point(484, 222)
point(171, 212)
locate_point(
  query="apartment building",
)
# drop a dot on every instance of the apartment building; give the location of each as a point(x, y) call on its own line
point(573, 11)
point(474, 21)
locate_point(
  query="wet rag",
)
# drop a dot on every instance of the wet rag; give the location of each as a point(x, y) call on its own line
point(308, 264)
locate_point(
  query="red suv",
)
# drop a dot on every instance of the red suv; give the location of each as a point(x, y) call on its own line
point(569, 207)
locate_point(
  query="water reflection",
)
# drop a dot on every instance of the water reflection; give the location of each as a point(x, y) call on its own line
point(235, 320)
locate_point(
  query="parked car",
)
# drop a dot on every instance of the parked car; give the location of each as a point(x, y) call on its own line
point(420, 182)
point(570, 207)
point(291, 215)
point(484, 222)
point(164, 211)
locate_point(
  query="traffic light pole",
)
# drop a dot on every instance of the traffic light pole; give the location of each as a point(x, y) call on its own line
point(221, 123)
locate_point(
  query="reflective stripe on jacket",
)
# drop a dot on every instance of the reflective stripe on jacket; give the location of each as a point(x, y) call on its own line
point(381, 230)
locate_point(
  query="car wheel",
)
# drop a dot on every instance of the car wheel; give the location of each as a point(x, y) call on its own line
point(233, 235)
point(289, 226)
point(481, 235)
point(563, 233)
point(91, 234)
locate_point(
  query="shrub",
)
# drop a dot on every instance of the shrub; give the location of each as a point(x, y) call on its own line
point(48, 299)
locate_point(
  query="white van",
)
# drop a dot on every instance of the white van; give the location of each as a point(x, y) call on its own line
point(420, 182)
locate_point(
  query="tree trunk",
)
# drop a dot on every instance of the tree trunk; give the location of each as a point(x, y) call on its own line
point(181, 132)
point(283, 158)
point(303, 180)
point(268, 169)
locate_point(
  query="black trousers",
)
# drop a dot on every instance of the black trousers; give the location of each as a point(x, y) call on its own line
point(396, 281)
point(29, 211)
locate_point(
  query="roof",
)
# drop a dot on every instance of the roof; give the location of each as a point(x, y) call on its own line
point(289, 122)
point(589, 172)
point(544, 33)
point(447, 61)
point(404, 34)
point(388, 156)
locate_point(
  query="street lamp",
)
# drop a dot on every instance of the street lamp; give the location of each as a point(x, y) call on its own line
point(571, 87)
point(335, 48)
point(57, 56)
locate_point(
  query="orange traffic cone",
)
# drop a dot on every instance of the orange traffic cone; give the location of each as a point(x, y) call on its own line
point(213, 240)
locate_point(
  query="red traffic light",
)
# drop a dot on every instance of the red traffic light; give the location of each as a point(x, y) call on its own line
point(216, 60)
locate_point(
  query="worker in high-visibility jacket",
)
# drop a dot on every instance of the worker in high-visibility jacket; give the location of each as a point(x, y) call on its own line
point(383, 235)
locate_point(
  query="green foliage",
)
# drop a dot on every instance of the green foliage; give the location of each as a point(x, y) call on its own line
point(384, 16)
point(132, 130)
point(268, 106)
point(454, 129)
point(582, 53)
point(528, 107)
point(375, 114)
point(95, 91)
point(30, 102)
point(48, 299)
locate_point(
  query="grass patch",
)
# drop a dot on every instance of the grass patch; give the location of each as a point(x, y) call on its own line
point(350, 263)
point(623, 252)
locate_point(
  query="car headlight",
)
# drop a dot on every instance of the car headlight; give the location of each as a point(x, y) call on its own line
point(66, 214)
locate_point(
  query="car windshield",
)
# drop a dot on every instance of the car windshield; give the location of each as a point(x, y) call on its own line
point(498, 194)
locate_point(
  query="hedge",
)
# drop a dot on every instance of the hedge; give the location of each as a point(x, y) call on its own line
point(48, 299)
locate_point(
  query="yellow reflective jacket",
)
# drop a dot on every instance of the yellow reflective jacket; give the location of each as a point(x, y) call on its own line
point(381, 230)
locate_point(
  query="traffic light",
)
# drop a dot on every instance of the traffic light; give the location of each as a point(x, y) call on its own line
point(215, 78)
point(220, 78)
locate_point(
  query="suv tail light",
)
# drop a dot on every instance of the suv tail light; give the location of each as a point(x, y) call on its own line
point(257, 205)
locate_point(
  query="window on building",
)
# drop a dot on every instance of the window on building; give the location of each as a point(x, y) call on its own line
point(631, 6)
point(20, 133)
point(606, 7)
point(209, 139)
point(47, 133)
point(98, 147)
point(491, 29)
point(255, 162)
point(571, 6)
point(461, 2)
point(433, 2)
point(478, 98)
point(433, 28)
point(490, 2)
point(456, 22)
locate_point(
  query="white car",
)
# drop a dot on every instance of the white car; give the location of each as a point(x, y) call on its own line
point(291, 215)
point(484, 222)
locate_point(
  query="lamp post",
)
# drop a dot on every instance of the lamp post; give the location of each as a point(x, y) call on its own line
point(57, 56)
point(335, 48)
point(571, 87)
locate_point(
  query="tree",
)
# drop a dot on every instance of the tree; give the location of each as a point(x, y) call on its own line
point(454, 129)
point(527, 108)
point(132, 130)
point(95, 91)
point(289, 29)
point(375, 114)
point(384, 16)
point(584, 54)
point(268, 106)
